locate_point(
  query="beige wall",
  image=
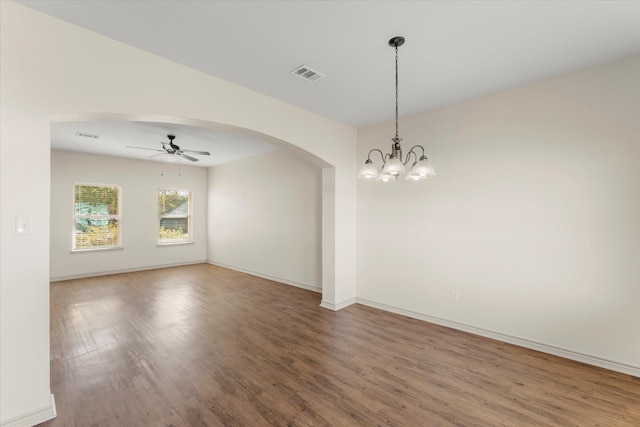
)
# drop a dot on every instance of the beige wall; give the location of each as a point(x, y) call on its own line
point(265, 218)
point(139, 181)
point(533, 218)
point(51, 69)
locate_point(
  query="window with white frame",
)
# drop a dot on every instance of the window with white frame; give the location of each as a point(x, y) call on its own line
point(96, 216)
point(174, 215)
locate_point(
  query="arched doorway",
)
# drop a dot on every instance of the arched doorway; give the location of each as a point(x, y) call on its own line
point(153, 127)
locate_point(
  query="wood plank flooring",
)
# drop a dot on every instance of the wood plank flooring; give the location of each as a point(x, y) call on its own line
point(205, 346)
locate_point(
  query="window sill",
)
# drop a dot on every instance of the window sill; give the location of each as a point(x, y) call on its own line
point(176, 243)
point(87, 250)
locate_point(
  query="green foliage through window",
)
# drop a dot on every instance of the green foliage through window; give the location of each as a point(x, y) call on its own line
point(174, 213)
point(96, 216)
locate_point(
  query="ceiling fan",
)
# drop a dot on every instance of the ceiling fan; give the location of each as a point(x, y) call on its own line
point(174, 150)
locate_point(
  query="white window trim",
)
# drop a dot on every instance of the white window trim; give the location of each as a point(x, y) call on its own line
point(176, 242)
point(118, 217)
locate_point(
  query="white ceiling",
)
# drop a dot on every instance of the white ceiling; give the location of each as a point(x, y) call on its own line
point(115, 136)
point(455, 50)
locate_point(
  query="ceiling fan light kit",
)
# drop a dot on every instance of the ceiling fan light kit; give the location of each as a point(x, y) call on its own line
point(393, 164)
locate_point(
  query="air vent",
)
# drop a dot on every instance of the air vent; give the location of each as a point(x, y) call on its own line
point(307, 73)
point(87, 135)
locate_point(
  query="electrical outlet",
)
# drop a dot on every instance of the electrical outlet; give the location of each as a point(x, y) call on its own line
point(454, 295)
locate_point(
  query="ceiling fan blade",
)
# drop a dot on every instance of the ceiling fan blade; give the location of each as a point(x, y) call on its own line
point(193, 159)
point(202, 153)
point(143, 148)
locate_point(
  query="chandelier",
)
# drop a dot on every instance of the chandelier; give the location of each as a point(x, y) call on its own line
point(393, 164)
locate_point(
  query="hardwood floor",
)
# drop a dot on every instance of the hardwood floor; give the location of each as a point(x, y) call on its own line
point(205, 346)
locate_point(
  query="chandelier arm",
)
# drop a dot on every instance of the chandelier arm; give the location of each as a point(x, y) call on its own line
point(417, 146)
point(409, 156)
point(381, 155)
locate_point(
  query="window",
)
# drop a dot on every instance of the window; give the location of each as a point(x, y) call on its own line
point(96, 216)
point(174, 213)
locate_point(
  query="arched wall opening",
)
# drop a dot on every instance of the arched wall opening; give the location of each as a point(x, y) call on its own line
point(63, 69)
point(272, 223)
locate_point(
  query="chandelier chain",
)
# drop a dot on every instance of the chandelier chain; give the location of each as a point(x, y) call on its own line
point(396, 92)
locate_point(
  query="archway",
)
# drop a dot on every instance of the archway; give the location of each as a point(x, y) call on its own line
point(327, 191)
point(63, 68)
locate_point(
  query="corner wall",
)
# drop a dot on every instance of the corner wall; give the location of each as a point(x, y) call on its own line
point(140, 182)
point(265, 218)
point(533, 219)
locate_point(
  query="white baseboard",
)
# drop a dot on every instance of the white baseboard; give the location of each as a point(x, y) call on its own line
point(544, 348)
point(338, 306)
point(125, 270)
point(268, 277)
point(34, 417)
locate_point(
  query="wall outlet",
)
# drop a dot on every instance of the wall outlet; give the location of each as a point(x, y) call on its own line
point(453, 295)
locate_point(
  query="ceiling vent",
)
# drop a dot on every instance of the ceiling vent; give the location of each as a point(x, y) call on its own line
point(307, 73)
point(87, 135)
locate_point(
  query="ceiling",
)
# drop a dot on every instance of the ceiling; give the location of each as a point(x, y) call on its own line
point(455, 50)
point(114, 137)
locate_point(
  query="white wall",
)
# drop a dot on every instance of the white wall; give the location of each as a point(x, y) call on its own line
point(140, 181)
point(265, 218)
point(533, 218)
point(52, 68)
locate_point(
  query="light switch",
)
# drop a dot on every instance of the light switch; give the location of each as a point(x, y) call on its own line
point(24, 225)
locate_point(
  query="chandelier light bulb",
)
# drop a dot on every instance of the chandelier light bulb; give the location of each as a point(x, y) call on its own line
point(423, 168)
point(394, 167)
point(384, 177)
point(413, 177)
point(368, 171)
